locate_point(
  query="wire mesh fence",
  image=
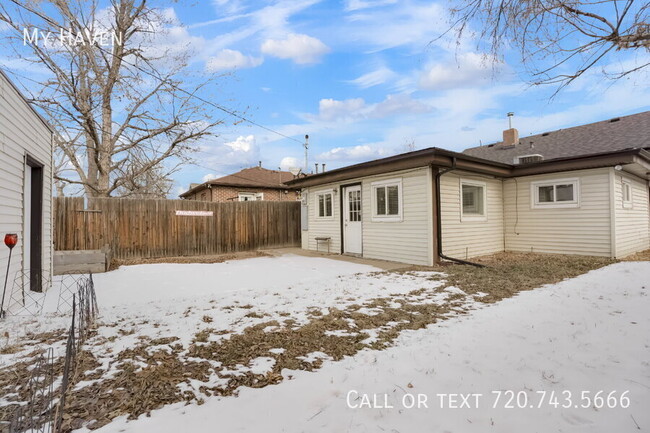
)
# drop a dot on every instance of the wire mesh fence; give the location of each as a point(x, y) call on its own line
point(37, 415)
point(45, 406)
point(23, 300)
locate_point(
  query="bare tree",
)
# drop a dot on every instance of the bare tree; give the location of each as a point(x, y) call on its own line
point(152, 183)
point(558, 40)
point(119, 108)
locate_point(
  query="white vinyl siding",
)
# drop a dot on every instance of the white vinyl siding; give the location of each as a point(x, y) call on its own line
point(21, 133)
point(632, 219)
point(477, 235)
point(408, 240)
point(581, 229)
point(322, 226)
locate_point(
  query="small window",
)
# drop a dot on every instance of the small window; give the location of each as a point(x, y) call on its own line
point(324, 204)
point(627, 194)
point(473, 198)
point(387, 200)
point(250, 196)
point(558, 193)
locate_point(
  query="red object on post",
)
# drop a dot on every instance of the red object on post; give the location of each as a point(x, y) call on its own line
point(11, 239)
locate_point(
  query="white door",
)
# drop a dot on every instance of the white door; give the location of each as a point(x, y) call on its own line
point(352, 219)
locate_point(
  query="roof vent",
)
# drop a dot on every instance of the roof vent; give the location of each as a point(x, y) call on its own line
point(615, 119)
point(528, 159)
point(545, 134)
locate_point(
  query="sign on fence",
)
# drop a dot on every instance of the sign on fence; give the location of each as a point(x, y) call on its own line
point(194, 213)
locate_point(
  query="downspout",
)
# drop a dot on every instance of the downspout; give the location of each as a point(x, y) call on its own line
point(439, 219)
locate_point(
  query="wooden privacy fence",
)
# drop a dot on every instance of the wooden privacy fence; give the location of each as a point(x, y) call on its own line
point(135, 228)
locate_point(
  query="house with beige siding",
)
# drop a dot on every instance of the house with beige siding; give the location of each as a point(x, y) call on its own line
point(25, 190)
point(581, 190)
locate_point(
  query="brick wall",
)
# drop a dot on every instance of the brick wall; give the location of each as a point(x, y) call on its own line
point(227, 193)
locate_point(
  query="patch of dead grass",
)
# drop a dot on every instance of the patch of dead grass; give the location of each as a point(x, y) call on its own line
point(508, 273)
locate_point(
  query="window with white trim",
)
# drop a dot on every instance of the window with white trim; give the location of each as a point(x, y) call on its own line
point(387, 200)
point(324, 204)
point(473, 200)
point(251, 196)
point(627, 194)
point(556, 193)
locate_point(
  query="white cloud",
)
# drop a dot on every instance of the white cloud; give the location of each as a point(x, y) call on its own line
point(406, 23)
point(302, 49)
point(362, 152)
point(208, 177)
point(289, 162)
point(398, 104)
point(231, 59)
point(469, 70)
point(353, 5)
point(228, 7)
point(332, 109)
point(374, 78)
point(242, 144)
point(167, 39)
point(348, 110)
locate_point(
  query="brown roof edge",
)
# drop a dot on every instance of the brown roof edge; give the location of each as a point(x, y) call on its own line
point(205, 185)
point(446, 158)
point(404, 161)
point(605, 159)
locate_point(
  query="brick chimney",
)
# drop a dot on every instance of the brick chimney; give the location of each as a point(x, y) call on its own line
point(510, 137)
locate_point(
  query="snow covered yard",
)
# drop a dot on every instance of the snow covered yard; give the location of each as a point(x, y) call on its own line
point(183, 332)
point(186, 337)
point(587, 334)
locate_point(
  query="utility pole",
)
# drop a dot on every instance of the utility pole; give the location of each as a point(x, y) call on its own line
point(306, 149)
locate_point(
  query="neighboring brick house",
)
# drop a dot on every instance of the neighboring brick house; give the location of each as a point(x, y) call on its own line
point(254, 183)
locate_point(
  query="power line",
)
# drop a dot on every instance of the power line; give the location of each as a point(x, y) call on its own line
point(151, 74)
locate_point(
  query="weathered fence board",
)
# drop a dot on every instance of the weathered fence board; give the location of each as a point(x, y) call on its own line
point(135, 228)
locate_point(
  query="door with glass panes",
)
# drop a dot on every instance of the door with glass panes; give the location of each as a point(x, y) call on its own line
point(352, 235)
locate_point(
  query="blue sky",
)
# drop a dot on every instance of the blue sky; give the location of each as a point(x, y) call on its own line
point(364, 79)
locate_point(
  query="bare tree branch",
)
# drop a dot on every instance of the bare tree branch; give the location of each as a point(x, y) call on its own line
point(558, 40)
point(115, 123)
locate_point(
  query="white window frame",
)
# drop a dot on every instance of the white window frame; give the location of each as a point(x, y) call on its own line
point(317, 196)
point(534, 194)
point(473, 217)
point(373, 200)
point(258, 196)
point(627, 204)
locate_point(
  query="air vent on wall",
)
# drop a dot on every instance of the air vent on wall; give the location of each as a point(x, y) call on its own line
point(528, 159)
